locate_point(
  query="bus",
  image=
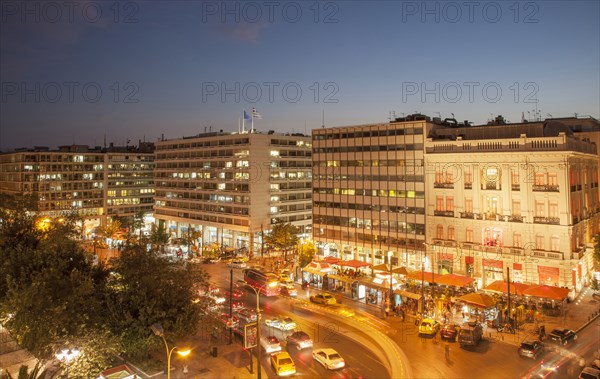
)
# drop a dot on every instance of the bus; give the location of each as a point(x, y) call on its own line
point(259, 277)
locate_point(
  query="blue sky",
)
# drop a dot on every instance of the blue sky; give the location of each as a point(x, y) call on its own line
point(136, 70)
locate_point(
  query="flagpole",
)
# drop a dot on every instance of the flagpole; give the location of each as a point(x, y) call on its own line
point(239, 126)
point(244, 121)
point(252, 120)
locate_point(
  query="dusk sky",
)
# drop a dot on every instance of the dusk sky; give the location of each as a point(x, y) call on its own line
point(83, 72)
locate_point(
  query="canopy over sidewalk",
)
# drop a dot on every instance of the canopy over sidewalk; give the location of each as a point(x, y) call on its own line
point(386, 269)
point(353, 263)
point(502, 287)
point(426, 276)
point(481, 300)
point(547, 292)
point(454, 280)
point(331, 260)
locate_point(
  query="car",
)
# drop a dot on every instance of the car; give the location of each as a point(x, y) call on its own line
point(531, 349)
point(236, 263)
point(230, 322)
point(449, 331)
point(288, 289)
point(270, 343)
point(562, 336)
point(246, 314)
point(300, 340)
point(283, 364)
point(329, 358)
point(281, 323)
point(235, 305)
point(323, 298)
point(285, 276)
point(429, 326)
point(236, 294)
point(589, 373)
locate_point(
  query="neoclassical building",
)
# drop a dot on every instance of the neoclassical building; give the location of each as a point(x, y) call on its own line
point(520, 196)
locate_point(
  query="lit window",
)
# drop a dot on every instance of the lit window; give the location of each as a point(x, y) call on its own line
point(274, 153)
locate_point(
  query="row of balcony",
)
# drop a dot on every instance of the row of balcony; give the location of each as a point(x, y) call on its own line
point(496, 186)
point(497, 217)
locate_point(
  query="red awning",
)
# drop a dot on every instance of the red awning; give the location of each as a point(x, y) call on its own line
point(353, 263)
point(469, 260)
point(517, 266)
point(454, 280)
point(491, 263)
point(481, 300)
point(547, 292)
point(331, 260)
point(502, 287)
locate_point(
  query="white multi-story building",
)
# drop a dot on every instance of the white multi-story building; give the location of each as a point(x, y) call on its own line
point(233, 186)
point(520, 196)
point(93, 182)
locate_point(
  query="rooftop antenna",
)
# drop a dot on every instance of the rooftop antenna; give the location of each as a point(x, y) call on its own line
point(548, 115)
point(452, 115)
point(576, 114)
point(105, 140)
point(323, 119)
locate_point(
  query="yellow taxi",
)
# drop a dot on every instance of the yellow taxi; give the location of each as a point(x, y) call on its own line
point(283, 364)
point(428, 326)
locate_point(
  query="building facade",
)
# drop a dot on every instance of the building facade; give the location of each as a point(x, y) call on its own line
point(231, 187)
point(520, 197)
point(369, 191)
point(92, 182)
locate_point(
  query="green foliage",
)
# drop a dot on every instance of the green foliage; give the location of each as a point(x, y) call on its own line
point(159, 236)
point(24, 373)
point(147, 290)
point(282, 237)
point(595, 285)
point(306, 253)
point(596, 253)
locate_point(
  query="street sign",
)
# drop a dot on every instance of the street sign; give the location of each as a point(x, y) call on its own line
point(250, 335)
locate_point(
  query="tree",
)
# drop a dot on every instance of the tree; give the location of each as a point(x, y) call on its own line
point(282, 237)
point(307, 251)
point(596, 253)
point(25, 374)
point(146, 289)
point(159, 236)
point(112, 230)
point(190, 239)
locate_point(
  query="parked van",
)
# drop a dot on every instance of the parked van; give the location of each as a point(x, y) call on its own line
point(470, 334)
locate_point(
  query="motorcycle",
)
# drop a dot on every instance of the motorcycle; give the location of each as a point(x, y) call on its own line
point(305, 285)
point(506, 328)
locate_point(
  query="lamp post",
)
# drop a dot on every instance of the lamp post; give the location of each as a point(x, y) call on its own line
point(66, 356)
point(390, 253)
point(158, 330)
point(432, 278)
point(259, 352)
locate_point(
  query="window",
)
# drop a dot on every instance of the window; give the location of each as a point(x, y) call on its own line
point(468, 177)
point(552, 179)
point(514, 177)
point(539, 208)
point(517, 240)
point(553, 209)
point(539, 242)
point(469, 235)
point(555, 243)
point(516, 208)
point(440, 232)
point(450, 203)
point(439, 203)
point(439, 177)
point(469, 205)
point(492, 205)
point(539, 179)
point(449, 177)
point(451, 233)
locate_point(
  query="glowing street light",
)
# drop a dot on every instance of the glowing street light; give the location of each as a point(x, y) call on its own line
point(158, 330)
point(66, 356)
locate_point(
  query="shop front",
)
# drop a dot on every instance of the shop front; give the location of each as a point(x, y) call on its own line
point(492, 271)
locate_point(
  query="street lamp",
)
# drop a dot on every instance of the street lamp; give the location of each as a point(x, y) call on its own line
point(391, 300)
point(257, 292)
point(66, 356)
point(432, 278)
point(158, 330)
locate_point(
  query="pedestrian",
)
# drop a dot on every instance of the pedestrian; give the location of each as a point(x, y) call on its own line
point(402, 314)
point(185, 369)
point(447, 351)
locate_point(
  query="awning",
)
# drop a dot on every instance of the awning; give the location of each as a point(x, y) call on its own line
point(341, 278)
point(313, 271)
point(382, 285)
point(354, 263)
point(331, 260)
point(547, 292)
point(410, 295)
point(481, 300)
point(400, 271)
point(382, 267)
point(426, 276)
point(502, 287)
point(454, 280)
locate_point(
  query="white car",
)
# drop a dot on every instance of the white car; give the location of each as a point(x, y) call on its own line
point(329, 358)
point(281, 323)
point(246, 314)
point(237, 264)
point(270, 343)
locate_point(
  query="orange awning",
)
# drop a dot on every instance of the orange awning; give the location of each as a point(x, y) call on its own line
point(426, 276)
point(481, 300)
point(354, 263)
point(547, 292)
point(454, 280)
point(502, 287)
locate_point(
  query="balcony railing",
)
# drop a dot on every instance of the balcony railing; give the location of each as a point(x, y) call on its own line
point(545, 188)
point(546, 220)
point(444, 213)
point(515, 218)
point(491, 186)
point(466, 215)
point(443, 185)
point(515, 187)
point(548, 254)
point(468, 185)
